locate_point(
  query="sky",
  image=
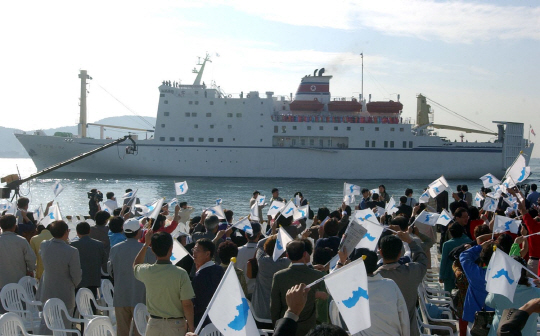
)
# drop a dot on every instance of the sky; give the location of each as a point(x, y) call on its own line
point(476, 58)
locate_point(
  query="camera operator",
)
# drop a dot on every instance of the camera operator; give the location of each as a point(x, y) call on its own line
point(95, 196)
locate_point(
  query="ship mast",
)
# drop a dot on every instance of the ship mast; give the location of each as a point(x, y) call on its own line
point(362, 93)
point(82, 105)
point(201, 70)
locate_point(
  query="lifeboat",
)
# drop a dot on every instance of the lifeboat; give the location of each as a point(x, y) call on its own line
point(306, 105)
point(345, 106)
point(390, 107)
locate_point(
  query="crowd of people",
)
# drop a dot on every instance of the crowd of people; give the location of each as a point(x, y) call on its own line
point(136, 253)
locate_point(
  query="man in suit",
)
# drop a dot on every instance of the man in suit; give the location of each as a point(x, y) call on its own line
point(92, 256)
point(61, 270)
point(298, 251)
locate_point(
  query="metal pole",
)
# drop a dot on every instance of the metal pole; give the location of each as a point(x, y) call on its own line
point(362, 55)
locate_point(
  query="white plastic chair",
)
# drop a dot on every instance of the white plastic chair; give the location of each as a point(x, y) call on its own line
point(30, 286)
point(11, 324)
point(107, 290)
point(429, 328)
point(100, 326)
point(52, 314)
point(258, 319)
point(140, 317)
point(426, 319)
point(84, 300)
point(14, 299)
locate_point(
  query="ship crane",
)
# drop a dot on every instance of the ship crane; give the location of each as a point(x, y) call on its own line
point(14, 181)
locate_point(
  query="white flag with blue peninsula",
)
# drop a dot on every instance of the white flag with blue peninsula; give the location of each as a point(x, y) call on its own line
point(219, 201)
point(424, 198)
point(428, 218)
point(444, 218)
point(260, 200)
point(438, 186)
point(349, 199)
point(478, 199)
point(105, 207)
point(349, 289)
point(350, 189)
point(216, 211)
point(173, 203)
point(288, 210)
point(275, 207)
point(155, 209)
point(38, 213)
point(178, 252)
point(301, 212)
point(254, 212)
point(490, 204)
point(283, 238)
point(8, 207)
point(391, 206)
point(489, 180)
point(503, 224)
point(244, 224)
point(519, 171)
point(57, 188)
point(365, 215)
point(181, 188)
point(503, 274)
point(371, 238)
point(229, 309)
point(53, 215)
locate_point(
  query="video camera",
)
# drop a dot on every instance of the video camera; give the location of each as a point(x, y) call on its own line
point(95, 195)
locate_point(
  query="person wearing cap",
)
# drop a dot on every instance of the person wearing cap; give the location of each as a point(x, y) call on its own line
point(128, 291)
point(253, 200)
point(92, 256)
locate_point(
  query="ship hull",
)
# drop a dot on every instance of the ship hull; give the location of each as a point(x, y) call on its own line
point(157, 159)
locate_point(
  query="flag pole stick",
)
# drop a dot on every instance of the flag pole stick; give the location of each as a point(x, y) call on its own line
point(533, 234)
point(231, 265)
point(528, 270)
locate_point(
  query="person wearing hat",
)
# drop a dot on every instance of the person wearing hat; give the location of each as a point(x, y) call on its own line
point(253, 200)
point(128, 291)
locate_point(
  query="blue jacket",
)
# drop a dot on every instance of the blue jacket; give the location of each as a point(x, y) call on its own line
point(476, 293)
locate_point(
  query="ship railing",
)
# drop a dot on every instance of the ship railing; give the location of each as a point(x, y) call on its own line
point(336, 119)
point(335, 98)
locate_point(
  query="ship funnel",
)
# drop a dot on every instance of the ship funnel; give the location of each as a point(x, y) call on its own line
point(321, 72)
point(315, 72)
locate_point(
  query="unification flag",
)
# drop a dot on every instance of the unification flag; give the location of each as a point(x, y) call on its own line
point(244, 224)
point(349, 288)
point(38, 213)
point(8, 207)
point(503, 274)
point(508, 183)
point(260, 200)
point(217, 211)
point(490, 204)
point(489, 180)
point(391, 206)
point(503, 224)
point(301, 212)
point(178, 252)
point(438, 186)
point(365, 215)
point(428, 218)
point(519, 171)
point(254, 212)
point(288, 210)
point(173, 203)
point(512, 202)
point(380, 211)
point(229, 309)
point(275, 207)
point(477, 199)
point(349, 199)
point(155, 209)
point(350, 189)
point(219, 201)
point(297, 200)
point(53, 215)
point(283, 238)
point(444, 218)
point(105, 207)
point(181, 188)
point(424, 198)
point(57, 188)
point(371, 238)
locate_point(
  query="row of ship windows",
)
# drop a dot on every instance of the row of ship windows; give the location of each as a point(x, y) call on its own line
point(182, 139)
point(211, 126)
point(209, 115)
point(321, 128)
point(388, 144)
point(196, 102)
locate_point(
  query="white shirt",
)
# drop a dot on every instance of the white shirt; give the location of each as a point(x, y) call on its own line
point(205, 265)
point(245, 253)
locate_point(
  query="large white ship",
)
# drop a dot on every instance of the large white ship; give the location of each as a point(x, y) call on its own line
point(200, 131)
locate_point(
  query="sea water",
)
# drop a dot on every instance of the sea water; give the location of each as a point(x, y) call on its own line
point(204, 191)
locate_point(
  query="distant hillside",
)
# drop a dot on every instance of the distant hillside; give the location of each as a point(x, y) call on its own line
point(11, 148)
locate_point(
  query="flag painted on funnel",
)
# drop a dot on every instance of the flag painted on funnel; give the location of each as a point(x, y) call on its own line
point(503, 224)
point(230, 312)
point(428, 218)
point(350, 189)
point(490, 204)
point(301, 212)
point(181, 188)
point(371, 238)
point(444, 218)
point(349, 289)
point(288, 210)
point(244, 224)
point(57, 188)
point(503, 274)
point(217, 211)
point(53, 215)
point(478, 199)
point(362, 216)
point(519, 171)
point(283, 238)
point(254, 212)
point(438, 186)
point(178, 252)
point(275, 207)
point(489, 180)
